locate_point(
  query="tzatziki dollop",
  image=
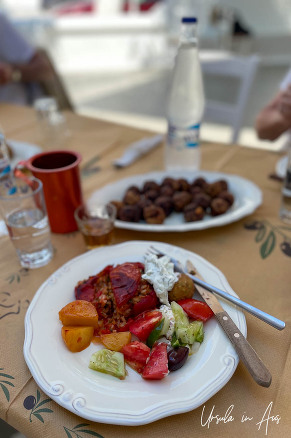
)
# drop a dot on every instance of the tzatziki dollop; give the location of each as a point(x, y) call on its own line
point(160, 273)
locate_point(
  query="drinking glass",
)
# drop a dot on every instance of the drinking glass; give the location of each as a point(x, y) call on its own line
point(60, 175)
point(52, 122)
point(96, 223)
point(25, 216)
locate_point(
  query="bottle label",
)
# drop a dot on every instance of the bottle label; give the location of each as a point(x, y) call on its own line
point(189, 137)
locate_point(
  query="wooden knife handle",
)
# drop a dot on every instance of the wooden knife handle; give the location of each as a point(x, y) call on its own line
point(245, 351)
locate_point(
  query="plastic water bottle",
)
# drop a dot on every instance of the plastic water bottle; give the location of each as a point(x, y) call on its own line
point(185, 104)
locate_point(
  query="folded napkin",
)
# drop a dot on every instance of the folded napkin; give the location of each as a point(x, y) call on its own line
point(137, 149)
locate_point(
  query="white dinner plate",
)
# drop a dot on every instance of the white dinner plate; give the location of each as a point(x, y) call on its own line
point(22, 151)
point(281, 166)
point(247, 198)
point(66, 378)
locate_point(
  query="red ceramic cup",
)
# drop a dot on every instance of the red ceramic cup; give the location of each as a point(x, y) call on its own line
point(59, 172)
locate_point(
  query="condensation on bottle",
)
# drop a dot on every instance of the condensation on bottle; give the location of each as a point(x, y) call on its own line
point(185, 103)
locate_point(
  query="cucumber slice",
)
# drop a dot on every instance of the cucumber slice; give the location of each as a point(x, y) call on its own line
point(185, 335)
point(108, 362)
point(185, 332)
point(181, 318)
point(197, 327)
point(192, 333)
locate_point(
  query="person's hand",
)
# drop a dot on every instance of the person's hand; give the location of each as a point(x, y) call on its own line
point(5, 73)
point(285, 103)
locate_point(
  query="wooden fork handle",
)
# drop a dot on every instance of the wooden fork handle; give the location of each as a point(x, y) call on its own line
point(245, 351)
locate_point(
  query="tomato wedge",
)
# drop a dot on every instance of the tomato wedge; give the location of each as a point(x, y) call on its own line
point(195, 309)
point(144, 324)
point(136, 355)
point(157, 365)
point(147, 302)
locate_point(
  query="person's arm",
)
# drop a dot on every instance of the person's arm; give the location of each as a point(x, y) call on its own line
point(16, 53)
point(5, 73)
point(37, 69)
point(275, 118)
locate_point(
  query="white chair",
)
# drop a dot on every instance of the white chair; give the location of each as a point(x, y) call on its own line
point(244, 69)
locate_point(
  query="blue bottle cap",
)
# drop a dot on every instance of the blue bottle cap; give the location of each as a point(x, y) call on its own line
point(189, 20)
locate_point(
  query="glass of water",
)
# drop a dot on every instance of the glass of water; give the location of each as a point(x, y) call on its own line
point(52, 122)
point(25, 216)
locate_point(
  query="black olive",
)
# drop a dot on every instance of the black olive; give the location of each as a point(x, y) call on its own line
point(177, 357)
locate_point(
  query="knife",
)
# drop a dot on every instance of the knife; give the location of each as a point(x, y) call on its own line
point(245, 351)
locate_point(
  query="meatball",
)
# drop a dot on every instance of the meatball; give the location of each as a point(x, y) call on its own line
point(215, 188)
point(166, 191)
point(194, 190)
point(223, 185)
point(134, 189)
point(154, 214)
point(184, 186)
point(181, 199)
point(130, 213)
point(150, 185)
point(152, 194)
point(227, 196)
point(131, 197)
point(166, 203)
point(193, 212)
point(171, 182)
point(183, 288)
point(202, 199)
point(218, 206)
point(117, 205)
point(142, 203)
point(199, 182)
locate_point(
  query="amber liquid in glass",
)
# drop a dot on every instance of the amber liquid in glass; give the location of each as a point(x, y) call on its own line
point(98, 232)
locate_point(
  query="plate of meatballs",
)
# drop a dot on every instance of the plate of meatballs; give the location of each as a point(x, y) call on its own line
point(180, 201)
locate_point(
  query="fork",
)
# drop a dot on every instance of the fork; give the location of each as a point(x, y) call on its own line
point(269, 319)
